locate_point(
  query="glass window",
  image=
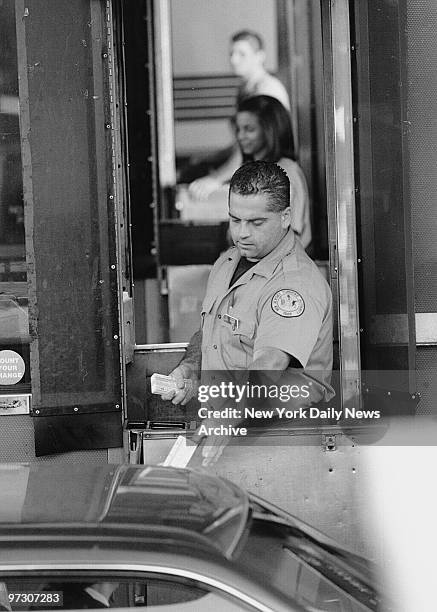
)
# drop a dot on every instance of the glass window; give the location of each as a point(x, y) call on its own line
point(162, 594)
point(14, 323)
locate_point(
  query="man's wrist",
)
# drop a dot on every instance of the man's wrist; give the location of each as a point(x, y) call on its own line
point(189, 367)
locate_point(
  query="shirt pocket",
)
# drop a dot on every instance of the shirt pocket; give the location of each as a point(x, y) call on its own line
point(237, 345)
point(245, 328)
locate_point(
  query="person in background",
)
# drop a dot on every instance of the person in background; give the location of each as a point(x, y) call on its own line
point(247, 59)
point(264, 132)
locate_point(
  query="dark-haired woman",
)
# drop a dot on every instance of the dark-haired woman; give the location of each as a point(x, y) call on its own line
point(264, 132)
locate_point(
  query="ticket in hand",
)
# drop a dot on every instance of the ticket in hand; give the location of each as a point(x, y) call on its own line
point(161, 383)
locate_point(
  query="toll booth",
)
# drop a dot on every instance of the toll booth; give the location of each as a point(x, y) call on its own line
point(103, 255)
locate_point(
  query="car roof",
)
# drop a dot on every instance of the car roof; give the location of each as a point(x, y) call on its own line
point(149, 498)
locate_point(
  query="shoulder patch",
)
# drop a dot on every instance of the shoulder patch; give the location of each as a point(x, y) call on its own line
point(288, 303)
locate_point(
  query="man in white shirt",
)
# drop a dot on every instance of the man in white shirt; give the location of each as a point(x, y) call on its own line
point(247, 58)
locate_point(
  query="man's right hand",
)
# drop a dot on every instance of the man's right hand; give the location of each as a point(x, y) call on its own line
point(184, 391)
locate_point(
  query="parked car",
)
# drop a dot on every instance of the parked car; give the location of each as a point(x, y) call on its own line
point(163, 539)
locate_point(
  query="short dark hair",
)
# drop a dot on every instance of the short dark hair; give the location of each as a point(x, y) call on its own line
point(252, 37)
point(275, 122)
point(263, 177)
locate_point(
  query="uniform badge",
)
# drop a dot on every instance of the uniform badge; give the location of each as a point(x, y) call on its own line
point(288, 303)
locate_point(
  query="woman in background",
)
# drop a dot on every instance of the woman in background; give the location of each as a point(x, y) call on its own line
point(264, 132)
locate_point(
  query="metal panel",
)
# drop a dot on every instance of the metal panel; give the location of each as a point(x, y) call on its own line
point(17, 445)
point(331, 496)
point(67, 123)
point(426, 328)
point(341, 201)
point(380, 85)
point(421, 128)
point(422, 134)
point(164, 93)
point(427, 379)
point(393, 329)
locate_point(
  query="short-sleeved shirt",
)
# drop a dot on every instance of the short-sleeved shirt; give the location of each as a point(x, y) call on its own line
point(264, 84)
point(282, 302)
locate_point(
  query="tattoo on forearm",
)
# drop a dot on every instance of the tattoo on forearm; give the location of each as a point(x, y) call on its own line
point(193, 355)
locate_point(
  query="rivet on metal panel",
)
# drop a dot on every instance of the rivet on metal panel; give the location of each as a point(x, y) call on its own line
point(388, 393)
point(359, 260)
point(101, 281)
point(329, 442)
point(111, 197)
point(36, 411)
point(113, 267)
point(117, 405)
point(115, 337)
point(105, 55)
point(76, 409)
point(108, 126)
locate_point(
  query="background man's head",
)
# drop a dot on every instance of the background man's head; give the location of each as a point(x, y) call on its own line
point(259, 208)
point(247, 54)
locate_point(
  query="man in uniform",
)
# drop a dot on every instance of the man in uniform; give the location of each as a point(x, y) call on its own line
point(267, 307)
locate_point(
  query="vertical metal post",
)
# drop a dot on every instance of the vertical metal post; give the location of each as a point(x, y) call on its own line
point(164, 93)
point(341, 194)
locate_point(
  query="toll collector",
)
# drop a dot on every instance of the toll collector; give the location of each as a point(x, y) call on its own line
point(282, 303)
point(267, 306)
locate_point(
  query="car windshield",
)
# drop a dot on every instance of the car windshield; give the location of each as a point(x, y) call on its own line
point(304, 565)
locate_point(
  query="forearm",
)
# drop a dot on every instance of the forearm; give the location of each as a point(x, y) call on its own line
point(193, 355)
point(224, 172)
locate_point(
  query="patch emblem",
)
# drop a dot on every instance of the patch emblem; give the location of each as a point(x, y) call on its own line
point(288, 303)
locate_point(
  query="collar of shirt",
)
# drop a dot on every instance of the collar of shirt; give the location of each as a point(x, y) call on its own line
point(268, 264)
point(97, 596)
point(249, 86)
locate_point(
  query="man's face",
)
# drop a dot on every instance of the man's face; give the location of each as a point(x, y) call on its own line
point(245, 59)
point(255, 230)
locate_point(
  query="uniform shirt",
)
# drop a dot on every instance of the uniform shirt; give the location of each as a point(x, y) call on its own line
point(282, 302)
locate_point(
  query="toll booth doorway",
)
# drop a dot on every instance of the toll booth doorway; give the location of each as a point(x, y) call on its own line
point(180, 110)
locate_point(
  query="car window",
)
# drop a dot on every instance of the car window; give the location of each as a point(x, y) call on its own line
point(150, 594)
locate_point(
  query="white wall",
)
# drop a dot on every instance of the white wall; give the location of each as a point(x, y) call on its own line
point(201, 30)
